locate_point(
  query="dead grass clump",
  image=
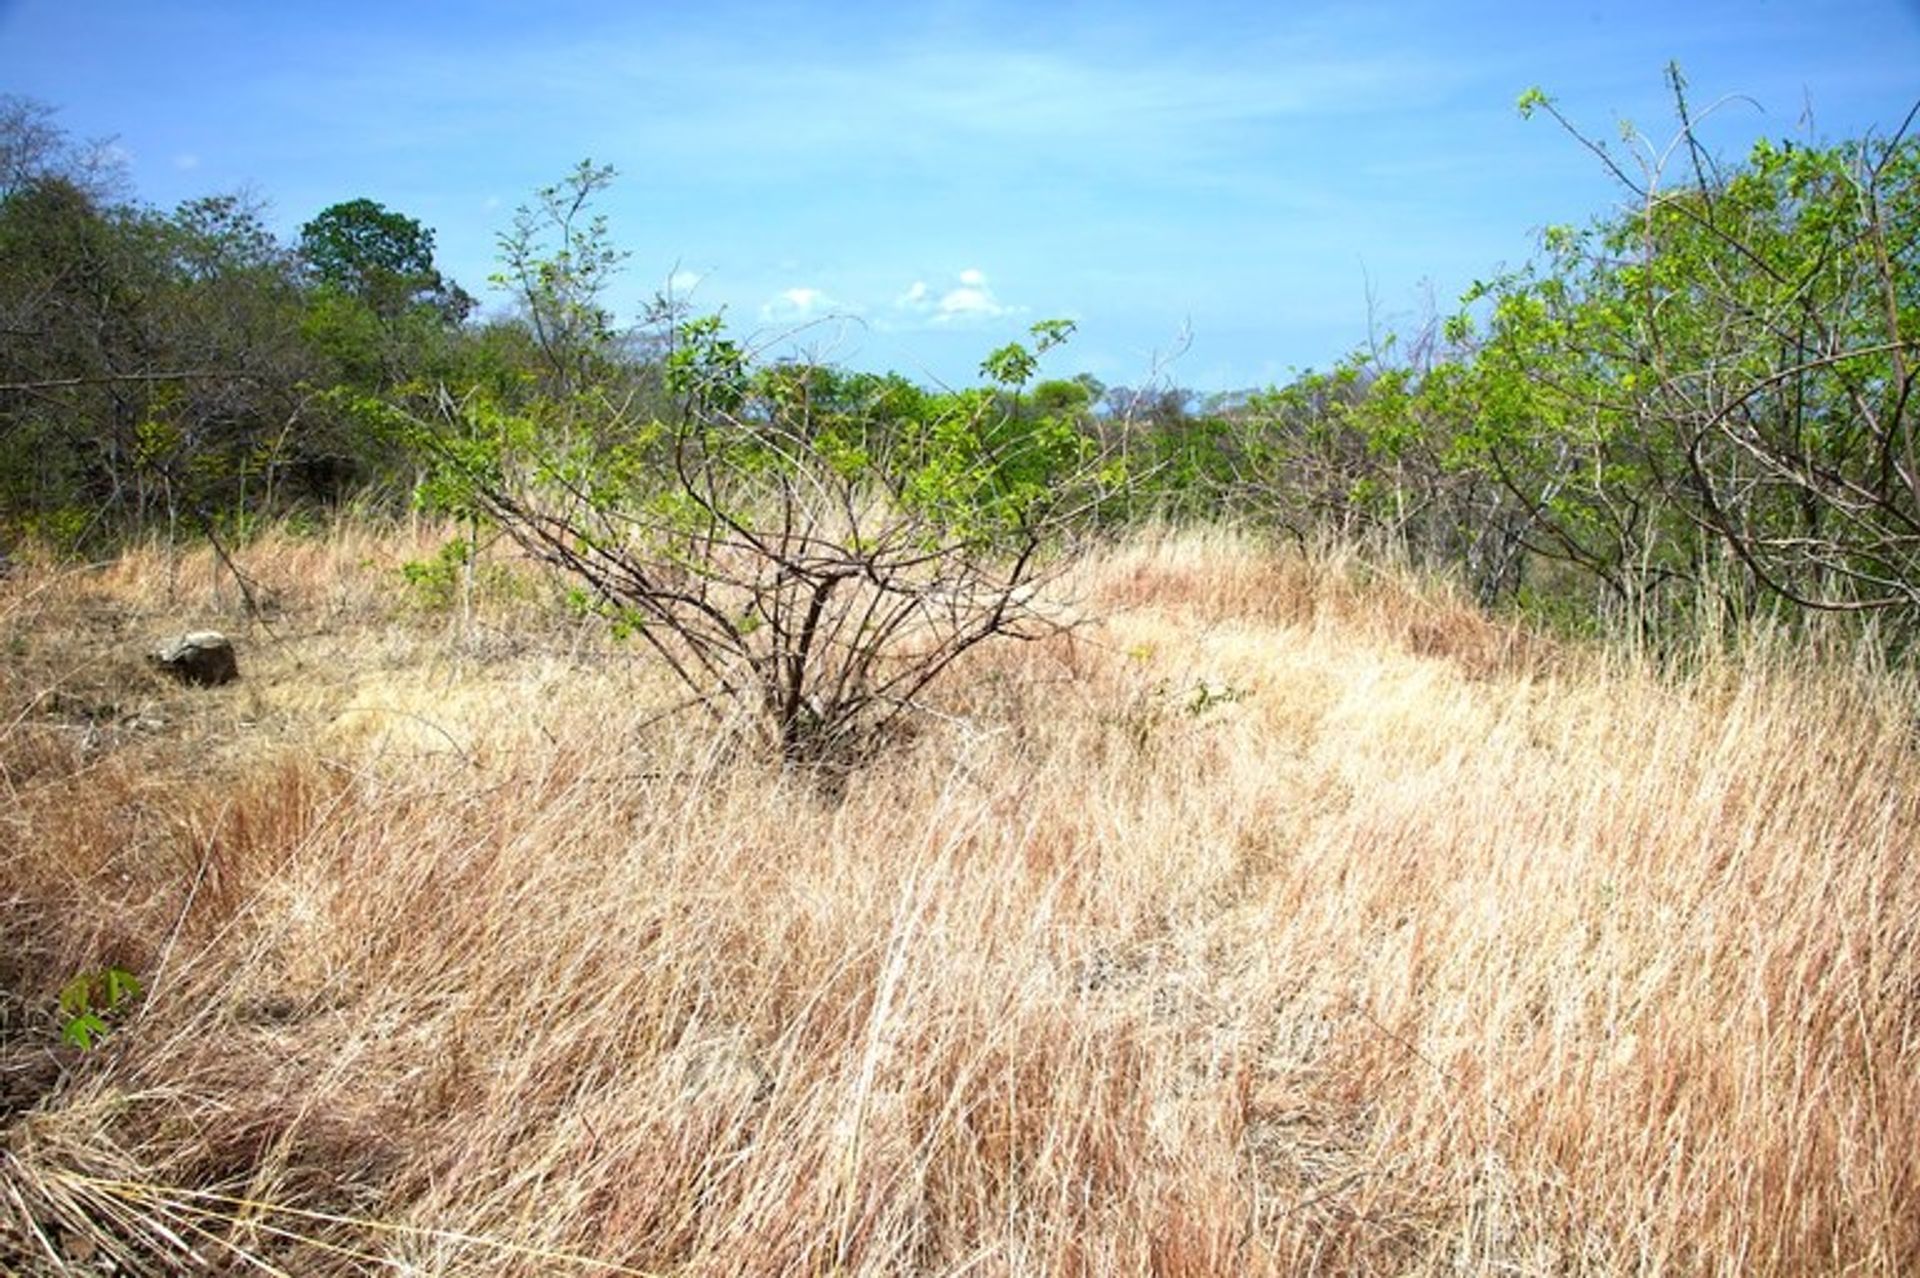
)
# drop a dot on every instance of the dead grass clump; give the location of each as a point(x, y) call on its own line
point(1223, 576)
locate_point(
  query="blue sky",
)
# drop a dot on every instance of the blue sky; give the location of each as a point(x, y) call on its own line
point(908, 185)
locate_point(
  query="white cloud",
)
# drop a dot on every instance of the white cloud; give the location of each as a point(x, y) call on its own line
point(971, 299)
point(961, 302)
point(681, 283)
point(186, 161)
point(800, 304)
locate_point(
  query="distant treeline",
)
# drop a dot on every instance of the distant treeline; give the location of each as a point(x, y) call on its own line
point(1686, 414)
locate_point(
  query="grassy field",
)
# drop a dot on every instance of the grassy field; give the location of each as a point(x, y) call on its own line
point(1284, 917)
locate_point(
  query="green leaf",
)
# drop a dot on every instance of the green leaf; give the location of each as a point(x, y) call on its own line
point(84, 1030)
point(122, 987)
point(76, 996)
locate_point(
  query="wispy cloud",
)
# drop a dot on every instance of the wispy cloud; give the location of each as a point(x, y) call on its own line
point(702, 105)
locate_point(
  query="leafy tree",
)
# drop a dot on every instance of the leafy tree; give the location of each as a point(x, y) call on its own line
point(235, 434)
point(557, 261)
point(1726, 372)
point(1068, 400)
point(803, 587)
point(1705, 398)
point(219, 235)
point(150, 365)
point(1304, 458)
point(380, 318)
point(74, 362)
point(382, 258)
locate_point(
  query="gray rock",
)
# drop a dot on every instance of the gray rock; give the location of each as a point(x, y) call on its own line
point(204, 658)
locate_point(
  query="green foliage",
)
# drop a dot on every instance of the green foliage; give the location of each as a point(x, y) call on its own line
point(973, 464)
point(349, 337)
point(457, 576)
point(380, 258)
point(1065, 400)
point(974, 469)
point(806, 546)
point(989, 465)
point(155, 359)
point(1701, 399)
point(219, 235)
point(707, 369)
point(1206, 697)
point(1729, 364)
point(557, 262)
point(436, 583)
point(1704, 399)
point(1013, 365)
point(90, 1002)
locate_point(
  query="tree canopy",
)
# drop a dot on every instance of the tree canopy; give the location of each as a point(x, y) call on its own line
point(383, 258)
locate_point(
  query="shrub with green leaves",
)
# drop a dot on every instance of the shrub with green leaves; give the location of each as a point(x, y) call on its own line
point(807, 574)
point(1715, 389)
point(807, 551)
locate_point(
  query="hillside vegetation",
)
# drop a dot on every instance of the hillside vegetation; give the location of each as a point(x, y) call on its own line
point(1690, 414)
point(1278, 914)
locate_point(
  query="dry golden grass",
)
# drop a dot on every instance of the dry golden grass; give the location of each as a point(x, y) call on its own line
point(1287, 917)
